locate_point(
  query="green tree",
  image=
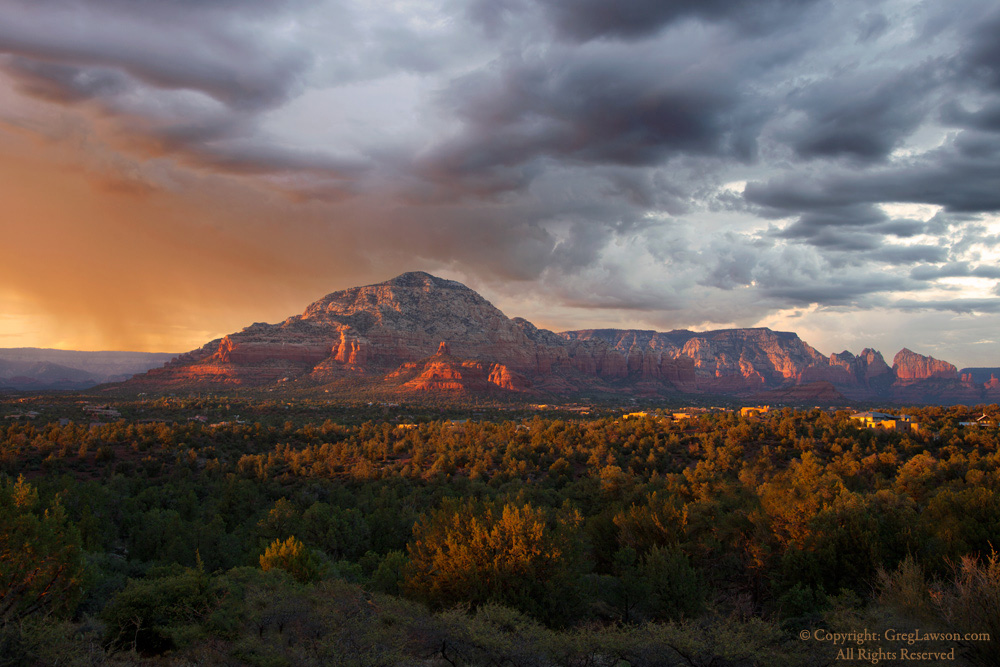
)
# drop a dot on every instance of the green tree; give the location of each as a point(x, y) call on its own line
point(661, 521)
point(163, 611)
point(389, 574)
point(963, 522)
point(675, 590)
point(41, 566)
point(516, 555)
point(293, 557)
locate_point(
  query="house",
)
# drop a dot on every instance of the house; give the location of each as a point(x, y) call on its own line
point(31, 414)
point(756, 411)
point(886, 421)
point(101, 411)
point(690, 413)
point(980, 421)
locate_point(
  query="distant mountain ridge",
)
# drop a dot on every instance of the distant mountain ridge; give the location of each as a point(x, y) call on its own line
point(421, 333)
point(42, 368)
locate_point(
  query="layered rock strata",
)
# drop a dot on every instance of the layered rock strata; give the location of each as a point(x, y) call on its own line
point(421, 333)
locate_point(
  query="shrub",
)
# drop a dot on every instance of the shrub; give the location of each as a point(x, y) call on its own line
point(971, 604)
point(515, 555)
point(293, 557)
point(160, 613)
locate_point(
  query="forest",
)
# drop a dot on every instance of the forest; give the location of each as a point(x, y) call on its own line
point(371, 535)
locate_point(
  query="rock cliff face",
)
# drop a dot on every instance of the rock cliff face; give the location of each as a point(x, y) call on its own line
point(726, 361)
point(445, 373)
point(921, 379)
point(980, 375)
point(860, 376)
point(420, 333)
point(909, 365)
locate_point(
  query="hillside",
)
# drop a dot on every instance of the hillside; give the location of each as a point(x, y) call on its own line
point(420, 333)
point(39, 368)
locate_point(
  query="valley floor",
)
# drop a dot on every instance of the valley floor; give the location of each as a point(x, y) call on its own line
point(232, 531)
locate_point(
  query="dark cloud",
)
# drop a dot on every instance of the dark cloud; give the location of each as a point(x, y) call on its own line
point(226, 61)
point(581, 247)
point(773, 274)
point(975, 72)
point(614, 291)
point(953, 305)
point(645, 189)
point(908, 254)
point(735, 262)
point(64, 83)
point(583, 20)
point(901, 228)
point(831, 239)
point(815, 222)
point(586, 110)
point(159, 8)
point(986, 118)
point(196, 136)
point(871, 26)
point(864, 116)
point(981, 53)
point(961, 176)
point(256, 158)
point(588, 149)
point(836, 291)
point(861, 228)
point(180, 78)
point(299, 175)
point(955, 270)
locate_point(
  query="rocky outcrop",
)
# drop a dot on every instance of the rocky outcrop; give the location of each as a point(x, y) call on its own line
point(924, 379)
point(236, 351)
point(983, 376)
point(446, 373)
point(863, 376)
point(867, 369)
point(368, 332)
point(420, 333)
point(908, 365)
point(724, 361)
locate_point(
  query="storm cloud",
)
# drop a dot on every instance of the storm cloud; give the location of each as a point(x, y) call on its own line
point(591, 19)
point(864, 116)
point(639, 163)
point(960, 176)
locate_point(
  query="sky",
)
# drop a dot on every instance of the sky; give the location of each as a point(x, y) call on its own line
point(174, 170)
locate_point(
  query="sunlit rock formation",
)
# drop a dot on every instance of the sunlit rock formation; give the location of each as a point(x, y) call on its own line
point(420, 333)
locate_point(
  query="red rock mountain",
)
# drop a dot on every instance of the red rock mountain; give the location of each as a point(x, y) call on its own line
point(421, 333)
point(909, 365)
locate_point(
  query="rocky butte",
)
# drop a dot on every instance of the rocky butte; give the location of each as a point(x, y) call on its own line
point(419, 333)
